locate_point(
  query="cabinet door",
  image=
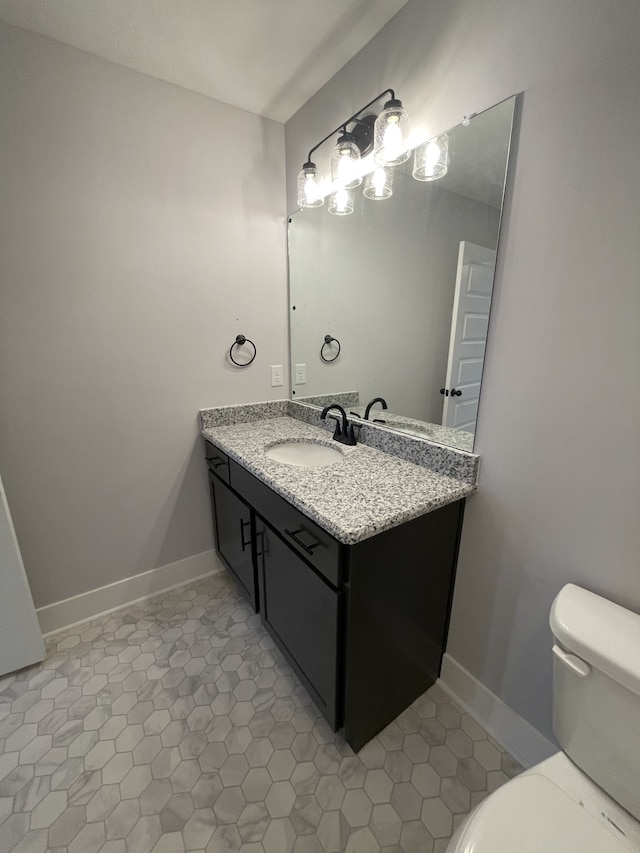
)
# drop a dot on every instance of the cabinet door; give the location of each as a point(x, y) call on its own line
point(301, 612)
point(232, 520)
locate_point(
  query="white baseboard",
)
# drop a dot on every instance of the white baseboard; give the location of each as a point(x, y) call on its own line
point(514, 733)
point(63, 614)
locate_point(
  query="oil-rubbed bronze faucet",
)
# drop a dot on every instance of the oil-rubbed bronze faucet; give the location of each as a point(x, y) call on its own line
point(343, 432)
point(371, 404)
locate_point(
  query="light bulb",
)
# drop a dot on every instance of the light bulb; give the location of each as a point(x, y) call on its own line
point(433, 154)
point(341, 202)
point(378, 181)
point(378, 184)
point(392, 141)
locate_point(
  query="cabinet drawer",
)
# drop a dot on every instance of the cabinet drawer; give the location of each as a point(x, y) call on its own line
point(313, 543)
point(217, 461)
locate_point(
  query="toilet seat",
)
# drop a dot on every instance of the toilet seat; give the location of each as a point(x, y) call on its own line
point(531, 814)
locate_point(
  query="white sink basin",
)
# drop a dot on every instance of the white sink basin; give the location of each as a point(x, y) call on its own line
point(305, 454)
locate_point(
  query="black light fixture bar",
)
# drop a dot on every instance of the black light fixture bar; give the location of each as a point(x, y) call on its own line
point(343, 124)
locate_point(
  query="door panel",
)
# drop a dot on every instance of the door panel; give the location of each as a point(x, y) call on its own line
point(232, 521)
point(301, 610)
point(471, 307)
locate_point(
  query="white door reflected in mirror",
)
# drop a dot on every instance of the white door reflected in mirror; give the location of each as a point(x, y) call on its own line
point(469, 326)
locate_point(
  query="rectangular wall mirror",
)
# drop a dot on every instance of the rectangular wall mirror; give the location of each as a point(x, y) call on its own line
point(401, 288)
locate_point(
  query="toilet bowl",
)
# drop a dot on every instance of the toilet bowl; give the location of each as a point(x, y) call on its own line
point(551, 808)
point(585, 799)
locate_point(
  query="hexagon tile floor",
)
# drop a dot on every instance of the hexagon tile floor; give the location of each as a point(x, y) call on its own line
point(175, 725)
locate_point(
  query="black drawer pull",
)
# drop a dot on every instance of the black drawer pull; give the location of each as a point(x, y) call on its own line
point(242, 526)
point(216, 462)
point(294, 535)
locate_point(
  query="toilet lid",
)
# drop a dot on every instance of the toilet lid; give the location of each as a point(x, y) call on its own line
point(531, 814)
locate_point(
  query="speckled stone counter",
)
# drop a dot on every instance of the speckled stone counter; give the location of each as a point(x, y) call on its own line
point(344, 398)
point(370, 491)
point(445, 460)
point(420, 429)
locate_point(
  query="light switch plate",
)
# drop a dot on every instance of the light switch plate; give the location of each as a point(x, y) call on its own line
point(301, 374)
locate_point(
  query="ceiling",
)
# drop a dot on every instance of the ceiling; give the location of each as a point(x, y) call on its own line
point(265, 56)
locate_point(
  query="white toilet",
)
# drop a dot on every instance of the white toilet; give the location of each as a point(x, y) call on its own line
point(585, 799)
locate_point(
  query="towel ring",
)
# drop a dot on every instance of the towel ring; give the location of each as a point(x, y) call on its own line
point(329, 340)
point(239, 341)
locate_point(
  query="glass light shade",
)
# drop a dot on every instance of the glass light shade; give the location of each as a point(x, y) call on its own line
point(390, 135)
point(431, 160)
point(341, 202)
point(309, 193)
point(345, 162)
point(378, 184)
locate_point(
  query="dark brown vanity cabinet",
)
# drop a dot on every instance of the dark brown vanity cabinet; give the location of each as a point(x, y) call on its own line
point(363, 625)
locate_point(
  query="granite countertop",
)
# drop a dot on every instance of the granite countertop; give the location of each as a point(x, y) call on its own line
point(436, 432)
point(370, 491)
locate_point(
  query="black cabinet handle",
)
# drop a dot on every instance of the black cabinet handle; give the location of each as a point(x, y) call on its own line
point(242, 526)
point(260, 548)
point(455, 393)
point(216, 462)
point(294, 535)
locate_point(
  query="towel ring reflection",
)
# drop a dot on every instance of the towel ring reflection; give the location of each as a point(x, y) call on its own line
point(329, 340)
point(240, 341)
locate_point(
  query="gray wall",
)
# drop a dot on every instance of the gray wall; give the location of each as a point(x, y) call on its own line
point(558, 428)
point(131, 254)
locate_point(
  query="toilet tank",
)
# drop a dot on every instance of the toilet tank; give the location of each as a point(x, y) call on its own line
point(596, 681)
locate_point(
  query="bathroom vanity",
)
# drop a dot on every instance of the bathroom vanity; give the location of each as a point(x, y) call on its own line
point(351, 566)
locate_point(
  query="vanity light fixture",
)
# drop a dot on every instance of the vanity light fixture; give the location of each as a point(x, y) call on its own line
point(360, 133)
point(431, 159)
